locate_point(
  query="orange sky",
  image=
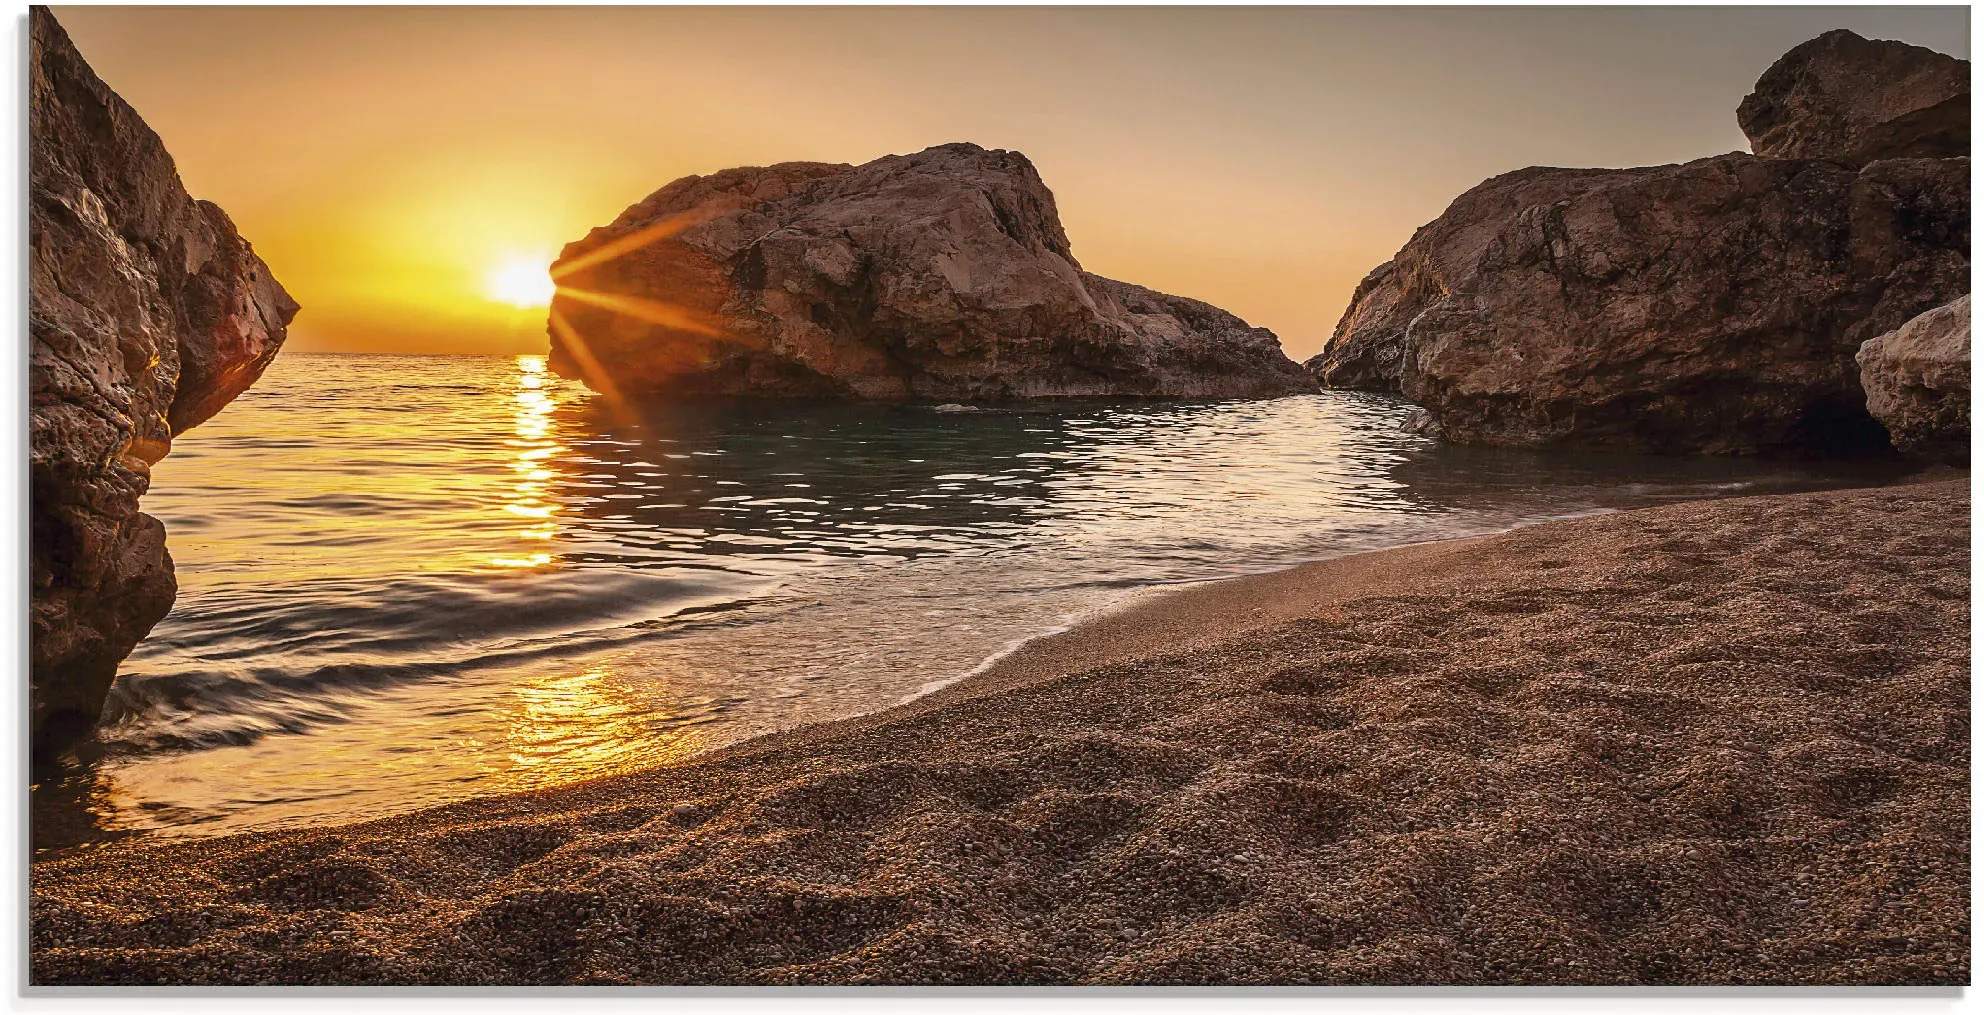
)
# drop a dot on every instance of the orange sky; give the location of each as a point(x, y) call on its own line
point(387, 161)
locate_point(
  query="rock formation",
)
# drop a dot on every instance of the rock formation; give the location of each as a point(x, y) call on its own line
point(1918, 383)
point(1857, 100)
point(940, 275)
point(148, 313)
point(1709, 307)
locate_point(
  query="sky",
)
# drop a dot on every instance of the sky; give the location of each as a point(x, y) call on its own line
point(401, 168)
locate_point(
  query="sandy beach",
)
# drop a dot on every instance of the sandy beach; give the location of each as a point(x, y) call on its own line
point(1714, 742)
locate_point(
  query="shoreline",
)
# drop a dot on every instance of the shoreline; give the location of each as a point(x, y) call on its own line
point(1358, 770)
point(1070, 644)
point(1156, 620)
point(1196, 614)
point(1031, 655)
point(1159, 620)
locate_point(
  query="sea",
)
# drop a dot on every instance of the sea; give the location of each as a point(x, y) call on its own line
point(405, 580)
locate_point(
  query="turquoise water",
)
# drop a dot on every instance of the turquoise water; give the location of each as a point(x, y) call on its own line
point(405, 580)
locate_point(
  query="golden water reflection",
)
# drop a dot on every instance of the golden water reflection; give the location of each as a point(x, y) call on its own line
point(512, 729)
point(534, 446)
point(564, 727)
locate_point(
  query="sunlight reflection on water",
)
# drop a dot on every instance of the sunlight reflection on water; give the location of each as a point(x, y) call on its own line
point(534, 443)
point(578, 725)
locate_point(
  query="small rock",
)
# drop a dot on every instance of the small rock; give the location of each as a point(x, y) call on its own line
point(684, 810)
point(1917, 380)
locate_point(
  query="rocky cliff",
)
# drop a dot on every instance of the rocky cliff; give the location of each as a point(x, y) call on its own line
point(940, 275)
point(1918, 383)
point(1709, 307)
point(148, 313)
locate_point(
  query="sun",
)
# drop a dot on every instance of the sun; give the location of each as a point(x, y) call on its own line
point(522, 282)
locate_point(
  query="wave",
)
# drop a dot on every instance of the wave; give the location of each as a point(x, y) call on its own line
point(241, 664)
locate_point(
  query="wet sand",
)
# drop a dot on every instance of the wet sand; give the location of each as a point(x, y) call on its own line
point(1717, 742)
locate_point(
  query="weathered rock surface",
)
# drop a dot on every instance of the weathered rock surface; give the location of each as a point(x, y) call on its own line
point(1709, 307)
point(1917, 379)
point(148, 313)
point(940, 275)
point(1840, 96)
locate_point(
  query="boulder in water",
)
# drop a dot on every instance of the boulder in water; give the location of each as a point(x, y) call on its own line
point(939, 275)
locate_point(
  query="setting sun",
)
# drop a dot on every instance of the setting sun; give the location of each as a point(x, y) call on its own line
point(522, 282)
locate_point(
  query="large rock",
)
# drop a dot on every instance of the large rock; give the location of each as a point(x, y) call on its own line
point(1840, 96)
point(939, 275)
point(148, 313)
point(1708, 307)
point(1918, 383)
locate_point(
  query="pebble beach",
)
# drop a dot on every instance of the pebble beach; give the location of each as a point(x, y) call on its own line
point(1713, 742)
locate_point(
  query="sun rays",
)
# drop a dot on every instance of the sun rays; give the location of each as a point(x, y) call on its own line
point(688, 325)
point(645, 236)
point(590, 371)
point(668, 315)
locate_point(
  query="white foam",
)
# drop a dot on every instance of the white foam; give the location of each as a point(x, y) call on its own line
point(1062, 624)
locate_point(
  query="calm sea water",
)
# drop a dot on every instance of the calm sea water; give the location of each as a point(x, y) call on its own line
point(406, 580)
